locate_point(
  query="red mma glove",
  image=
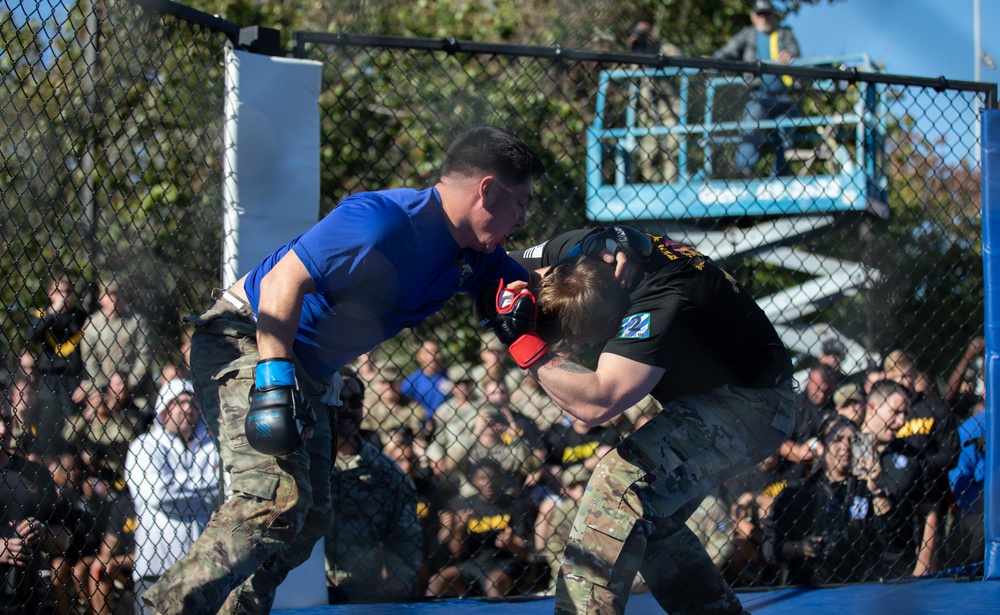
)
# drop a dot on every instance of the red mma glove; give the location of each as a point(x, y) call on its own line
point(511, 314)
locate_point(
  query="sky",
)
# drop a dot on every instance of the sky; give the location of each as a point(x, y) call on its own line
point(923, 38)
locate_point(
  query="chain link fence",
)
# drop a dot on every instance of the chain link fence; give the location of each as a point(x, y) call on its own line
point(849, 205)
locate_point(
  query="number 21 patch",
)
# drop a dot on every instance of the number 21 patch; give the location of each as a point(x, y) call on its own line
point(635, 327)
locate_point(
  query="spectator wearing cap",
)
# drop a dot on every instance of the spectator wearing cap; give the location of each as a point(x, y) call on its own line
point(767, 41)
point(388, 407)
point(375, 548)
point(173, 474)
point(657, 105)
point(498, 435)
point(849, 401)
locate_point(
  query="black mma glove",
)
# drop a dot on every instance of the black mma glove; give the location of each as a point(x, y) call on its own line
point(277, 413)
point(511, 314)
point(636, 245)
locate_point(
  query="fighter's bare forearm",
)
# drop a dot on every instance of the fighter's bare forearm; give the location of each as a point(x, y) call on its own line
point(576, 389)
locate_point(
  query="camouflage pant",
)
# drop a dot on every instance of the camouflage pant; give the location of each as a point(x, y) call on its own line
point(632, 515)
point(280, 506)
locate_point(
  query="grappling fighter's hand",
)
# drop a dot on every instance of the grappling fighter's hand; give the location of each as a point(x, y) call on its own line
point(277, 415)
point(627, 248)
point(510, 311)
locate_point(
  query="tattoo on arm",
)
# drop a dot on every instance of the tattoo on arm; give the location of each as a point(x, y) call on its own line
point(566, 365)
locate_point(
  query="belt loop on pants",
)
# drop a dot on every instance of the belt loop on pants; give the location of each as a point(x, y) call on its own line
point(244, 309)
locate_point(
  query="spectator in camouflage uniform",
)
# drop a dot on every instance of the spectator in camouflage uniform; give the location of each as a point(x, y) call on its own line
point(115, 340)
point(375, 548)
point(388, 408)
point(103, 426)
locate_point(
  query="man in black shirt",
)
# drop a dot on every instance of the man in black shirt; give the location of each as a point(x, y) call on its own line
point(27, 505)
point(56, 332)
point(488, 538)
point(693, 338)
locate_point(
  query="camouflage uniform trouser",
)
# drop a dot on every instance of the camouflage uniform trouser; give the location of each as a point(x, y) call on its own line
point(280, 506)
point(632, 515)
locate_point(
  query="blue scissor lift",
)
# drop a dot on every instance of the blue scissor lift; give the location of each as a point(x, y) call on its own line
point(838, 159)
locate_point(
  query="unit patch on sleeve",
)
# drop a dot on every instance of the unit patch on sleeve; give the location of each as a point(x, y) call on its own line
point(635, 326)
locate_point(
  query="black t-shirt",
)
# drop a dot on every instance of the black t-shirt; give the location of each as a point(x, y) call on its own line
point(488, 519)
point(689, 317)
point(59, 336)
point(432, 498)
point(902, 481)
point(565, 447)
point(844, 515)
point(930, 436)
point(121, 521)
point(26, 490)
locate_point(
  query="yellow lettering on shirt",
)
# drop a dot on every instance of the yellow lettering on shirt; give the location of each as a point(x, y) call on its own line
point(423, 510)
point(916, 427)
point(64, 349)
point(488, 524)
point(580, 452)
point(774, 489)
point(130, 524)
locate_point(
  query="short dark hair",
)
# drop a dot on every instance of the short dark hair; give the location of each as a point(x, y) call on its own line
point(884, 389)
point(491, 151)
point(578, 299)
point(488, 464)
point(352, 394)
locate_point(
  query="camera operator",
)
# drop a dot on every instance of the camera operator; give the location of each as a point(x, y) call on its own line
point(829, 527)
point(657, 105)
point(640, 37)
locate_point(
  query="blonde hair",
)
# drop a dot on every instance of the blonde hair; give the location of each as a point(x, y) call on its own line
point(580, 299)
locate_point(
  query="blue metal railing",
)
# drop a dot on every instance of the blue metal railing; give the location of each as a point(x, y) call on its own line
point(850, 174)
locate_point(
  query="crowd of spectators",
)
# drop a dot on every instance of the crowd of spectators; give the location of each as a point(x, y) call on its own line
point(461, 478)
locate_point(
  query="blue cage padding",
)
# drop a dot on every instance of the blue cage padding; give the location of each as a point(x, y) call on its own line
point(991, 247)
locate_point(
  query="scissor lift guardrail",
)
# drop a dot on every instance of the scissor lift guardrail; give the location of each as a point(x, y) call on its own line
point(840, 173)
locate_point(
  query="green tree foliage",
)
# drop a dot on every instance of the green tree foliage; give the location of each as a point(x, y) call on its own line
point(112, 169)
point(132, 115)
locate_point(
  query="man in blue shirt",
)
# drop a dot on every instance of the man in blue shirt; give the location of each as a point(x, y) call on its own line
point(378, 263)
point(769, 98)
point(968, 480)
point(428, 385)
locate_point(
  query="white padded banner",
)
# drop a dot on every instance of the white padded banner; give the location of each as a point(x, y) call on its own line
point(271, 163)
point(270, 196)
